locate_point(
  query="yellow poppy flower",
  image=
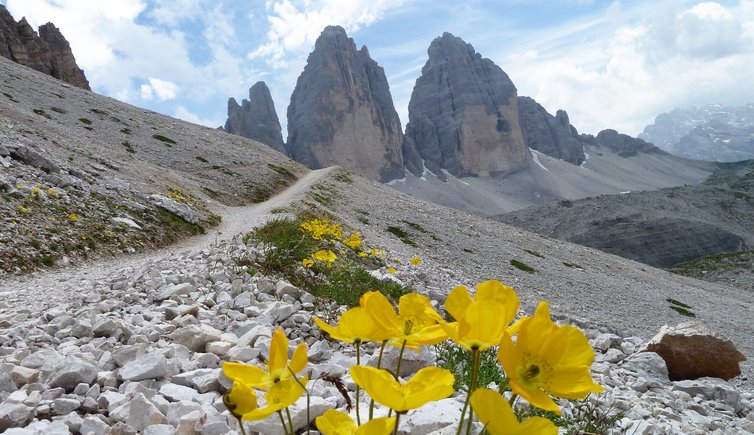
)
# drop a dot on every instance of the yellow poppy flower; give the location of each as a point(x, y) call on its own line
point(240, 400)
point(548, 358)
point(278, 366)
point(334, 422)
point(353, 241)
point(480, 322)
point(362, 254)
point(416, 261)
point(355, 325)
point(498, 418)
point(280, 396)
point(326, 256)
point(391, 270)
point(307, 262)
point(427, 385)
point(416, 323)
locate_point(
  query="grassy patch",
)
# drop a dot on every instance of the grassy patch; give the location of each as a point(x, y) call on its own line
point(41, 112)
point(10, 97)
point(201, 159)
point(210, 192)
point(681, 308)
point(282, 171)
point(346, 283)
point(129, 147)
point(415, 226)
point(164, 139)
point(85, 121)
point(59, 110)
point(453, 357)
point(125, 130)
point(48, 260)
point(402, 235)
point(175, 223)
point(522, 266)
point(572, 265)
point(291, 245)
point(534, 253)
point(99, 112)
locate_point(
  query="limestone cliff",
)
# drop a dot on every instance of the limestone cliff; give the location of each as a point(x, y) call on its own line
point(463, 113)
point(47, 52)
point(256, 118)
point(342, 113)
point(552, 135)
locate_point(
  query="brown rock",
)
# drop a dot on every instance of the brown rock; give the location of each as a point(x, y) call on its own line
point(47, 52)
point(692, 352)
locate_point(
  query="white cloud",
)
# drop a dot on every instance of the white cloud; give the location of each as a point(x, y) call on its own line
point(163, 89)
point(295, 25)
point(185, 114)
point(172, 12)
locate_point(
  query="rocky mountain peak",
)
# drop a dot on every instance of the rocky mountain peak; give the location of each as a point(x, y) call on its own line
point(342, 113)
point(551, 135)
point(463, 113)
point(256, 118)
point(48, 52)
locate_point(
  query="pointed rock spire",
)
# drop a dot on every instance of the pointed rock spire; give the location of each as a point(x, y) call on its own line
point(256, 118)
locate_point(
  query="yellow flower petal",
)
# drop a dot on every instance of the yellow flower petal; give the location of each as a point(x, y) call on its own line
point(334, 422)
point(280, 396)
point(241, 399)
point(245, 373)
point(299, 359)
point(278, 351)
point(498, 418)
point(377, 426)
point(457, 301)
point(416, 261)
point(427, 385)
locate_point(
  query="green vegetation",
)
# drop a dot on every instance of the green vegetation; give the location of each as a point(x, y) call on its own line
point(129, 147)
point(681, 308)
point(534, 253)
point(458, 360)
point(572, 265)
point(41, 112)
point(346, 283)
point(10, 97)
point(175, 223)
point(58, 110)
point(125, 130)
point(164, 139)
point(402, 235)
point(47, 260)
point(85, 121)
point(415, 226)
point(210, 192)
point(201, 159)
point(282, 171)
point(522, 266)
point(711, 263)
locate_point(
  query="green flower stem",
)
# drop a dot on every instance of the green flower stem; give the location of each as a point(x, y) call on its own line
point(472, 387)
point(397, 422)
point(240, 423)
point(282, 421)
point(308, 397)
point(398, 369)
point(358, 363)
point(379, 366)
point(290, 422)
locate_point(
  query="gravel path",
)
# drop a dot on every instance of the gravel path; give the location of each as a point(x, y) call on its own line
point(56, 286)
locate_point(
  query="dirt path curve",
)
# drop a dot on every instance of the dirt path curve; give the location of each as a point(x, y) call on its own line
point(63, 284)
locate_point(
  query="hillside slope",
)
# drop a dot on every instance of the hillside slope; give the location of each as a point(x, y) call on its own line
point(660, 228)
point(84, 175)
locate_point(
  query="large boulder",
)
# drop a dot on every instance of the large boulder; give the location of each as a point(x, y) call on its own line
point(256, 118)
point(692, 352)
point(463, 113)
point(342, 113)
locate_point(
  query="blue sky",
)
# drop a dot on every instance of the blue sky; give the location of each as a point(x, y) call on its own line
point(610, 64)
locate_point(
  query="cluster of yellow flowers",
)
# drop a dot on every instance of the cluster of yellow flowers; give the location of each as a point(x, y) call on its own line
point(545, 360)
point(322, 229)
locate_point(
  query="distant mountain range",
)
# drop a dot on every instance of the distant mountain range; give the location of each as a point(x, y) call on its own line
point(713, 132)
point(470, 142)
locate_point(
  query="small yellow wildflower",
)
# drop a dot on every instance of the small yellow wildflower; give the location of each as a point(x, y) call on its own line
point(362, 254)
point(307, 262)
point(278, 366)
point(415, 261)
point(391, 270)
point(52, 193)
point(23, 210)
point(353, 241)
point(326, 256)
point(35, 191)
point(414, 325)
point(355, 325)
point(72, 217)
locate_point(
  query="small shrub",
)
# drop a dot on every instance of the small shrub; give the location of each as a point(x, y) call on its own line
point(48, 260)
point(402, 235)
point(681, 308)
point(347, 282)
point(164, 139)
point(36, 244)
point(129, 147)
point(522, 266)
point(534, 253)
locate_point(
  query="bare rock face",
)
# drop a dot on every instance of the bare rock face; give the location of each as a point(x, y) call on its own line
point(47, 52)
point(552, 135)
point(342, 113)
point(623, 144)
point(463, 113)
point(692, 352)
point(256, 118)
